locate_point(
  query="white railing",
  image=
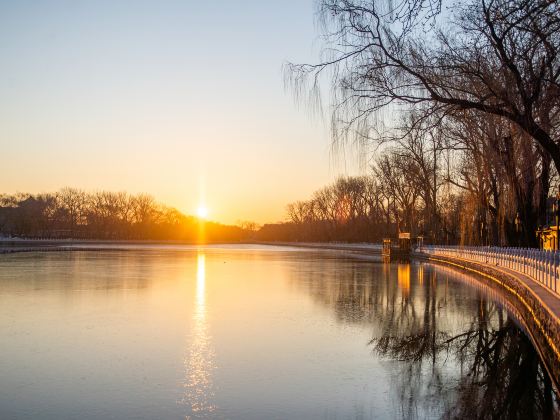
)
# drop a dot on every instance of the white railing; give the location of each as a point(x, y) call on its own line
point(540, 265)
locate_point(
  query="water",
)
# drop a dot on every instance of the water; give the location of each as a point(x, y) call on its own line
point(256, 333)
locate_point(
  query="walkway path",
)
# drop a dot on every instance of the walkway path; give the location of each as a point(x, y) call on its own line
point(547, 297)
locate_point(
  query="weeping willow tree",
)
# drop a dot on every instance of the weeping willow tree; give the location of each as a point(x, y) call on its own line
point(386, 60)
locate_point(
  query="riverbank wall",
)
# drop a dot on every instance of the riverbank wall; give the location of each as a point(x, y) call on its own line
point(538, 307)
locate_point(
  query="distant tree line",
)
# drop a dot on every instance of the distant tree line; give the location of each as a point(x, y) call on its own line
point(351, 209)
point(76, 214)
point(463, 109)
point(364, 209)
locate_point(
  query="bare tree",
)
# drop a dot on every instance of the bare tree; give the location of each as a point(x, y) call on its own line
point(497, 57)
point(72, 203)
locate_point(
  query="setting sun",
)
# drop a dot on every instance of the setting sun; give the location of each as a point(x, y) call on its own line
point(202, 212)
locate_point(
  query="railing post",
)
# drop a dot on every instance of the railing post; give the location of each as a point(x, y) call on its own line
point(550, 264)
point(534, 265)
point(545, 266)
point(537, 265)
point(555, 269)
point(548, 270)
point(540, 267)
point(526, 261)
point(544, 255)
point(536, 259)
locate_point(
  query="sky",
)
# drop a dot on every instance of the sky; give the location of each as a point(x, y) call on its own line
point(183, 100)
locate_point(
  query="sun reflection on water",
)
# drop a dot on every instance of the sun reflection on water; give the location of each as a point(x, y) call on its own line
point(200, 309)
point(199, 363)
point(403, 278)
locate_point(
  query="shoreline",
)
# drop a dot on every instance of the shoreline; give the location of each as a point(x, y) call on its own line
point(11, 245)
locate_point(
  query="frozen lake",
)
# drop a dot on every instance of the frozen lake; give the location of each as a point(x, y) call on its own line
point(255, 332)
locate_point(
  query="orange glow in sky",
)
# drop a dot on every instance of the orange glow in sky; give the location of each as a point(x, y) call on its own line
point(138, 99)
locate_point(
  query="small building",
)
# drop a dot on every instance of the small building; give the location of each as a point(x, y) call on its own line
point(548, 238)
point(548, 234)
point(401, 248)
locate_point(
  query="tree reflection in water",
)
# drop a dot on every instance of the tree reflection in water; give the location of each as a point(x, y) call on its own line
point(456, 352)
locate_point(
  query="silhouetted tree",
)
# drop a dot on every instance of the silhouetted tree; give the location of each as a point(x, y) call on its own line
point(72, 213)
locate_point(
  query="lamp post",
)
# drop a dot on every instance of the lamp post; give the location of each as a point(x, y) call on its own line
point(518, 229)
point(555, 234)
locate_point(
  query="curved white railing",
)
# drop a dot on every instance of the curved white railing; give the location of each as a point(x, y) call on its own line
point(540, 265)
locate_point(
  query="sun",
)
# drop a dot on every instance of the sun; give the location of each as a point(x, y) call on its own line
point(202, 212)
